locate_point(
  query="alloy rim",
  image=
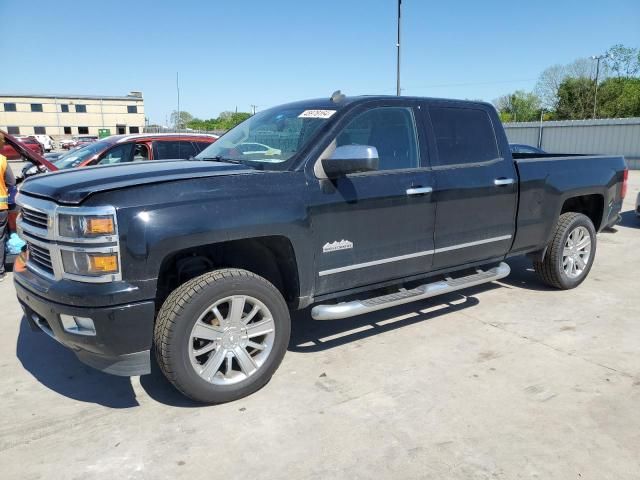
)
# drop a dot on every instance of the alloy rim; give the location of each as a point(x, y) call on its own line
point(231, 340)
point(576, 253)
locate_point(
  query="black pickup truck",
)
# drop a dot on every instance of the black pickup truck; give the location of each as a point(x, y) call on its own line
point(332, 203)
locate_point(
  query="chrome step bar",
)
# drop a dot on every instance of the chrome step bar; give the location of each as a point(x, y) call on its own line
point(359, 307)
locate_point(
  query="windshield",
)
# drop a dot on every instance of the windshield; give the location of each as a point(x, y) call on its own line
point(269, 137)
point(76, 157)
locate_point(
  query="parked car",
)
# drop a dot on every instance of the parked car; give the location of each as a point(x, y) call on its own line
point(522, 148)
point(638, 205)
point(66, 143)
point(29, 142)
point(203, 260)
point(260, 149)
point(137, 147)
point(46, 141)
point(78, 141)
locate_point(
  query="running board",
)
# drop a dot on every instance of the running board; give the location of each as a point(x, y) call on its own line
point(359, 307)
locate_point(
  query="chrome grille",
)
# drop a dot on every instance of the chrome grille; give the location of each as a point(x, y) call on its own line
point(35, 218)
point(40, 257)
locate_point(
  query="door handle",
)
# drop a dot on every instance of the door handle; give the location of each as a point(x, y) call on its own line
point(419, 190)
point(501, 182)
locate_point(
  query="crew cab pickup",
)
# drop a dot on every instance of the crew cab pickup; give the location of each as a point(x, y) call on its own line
point(202, 261)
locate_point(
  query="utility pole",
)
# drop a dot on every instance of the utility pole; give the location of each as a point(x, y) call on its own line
point(178, 90)
point(540, 129)
point(595, 96)
point(398, 53)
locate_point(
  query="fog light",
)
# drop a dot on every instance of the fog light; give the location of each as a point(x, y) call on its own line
point(78, 325)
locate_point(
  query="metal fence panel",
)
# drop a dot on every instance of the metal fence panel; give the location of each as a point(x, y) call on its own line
point(607, 136)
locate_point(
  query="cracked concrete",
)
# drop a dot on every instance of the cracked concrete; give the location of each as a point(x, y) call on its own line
point(504, 381)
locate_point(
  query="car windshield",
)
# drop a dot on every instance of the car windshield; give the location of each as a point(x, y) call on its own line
point(268, 138)
point(76, 157)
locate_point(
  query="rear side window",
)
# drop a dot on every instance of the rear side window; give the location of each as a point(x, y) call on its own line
point(201, 145)
point(463, 135)
point(173, 150)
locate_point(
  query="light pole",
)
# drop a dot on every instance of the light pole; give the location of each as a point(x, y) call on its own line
point(398, 53)
point(595, 96)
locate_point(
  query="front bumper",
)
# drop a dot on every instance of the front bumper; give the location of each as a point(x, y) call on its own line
point(123, 334)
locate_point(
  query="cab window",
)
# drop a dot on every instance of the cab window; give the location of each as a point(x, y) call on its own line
point(118, 154)
point(173, 150)
point(391, 130)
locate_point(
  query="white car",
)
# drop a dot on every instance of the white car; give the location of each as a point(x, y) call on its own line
point(252, 148)
point(46, 141)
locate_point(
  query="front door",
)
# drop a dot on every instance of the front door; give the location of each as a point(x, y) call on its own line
point(375, 226)
point(475, 187)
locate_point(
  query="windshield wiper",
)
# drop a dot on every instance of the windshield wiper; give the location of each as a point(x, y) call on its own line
point(219, 158)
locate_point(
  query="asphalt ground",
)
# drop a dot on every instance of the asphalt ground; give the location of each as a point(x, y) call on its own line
point(508, 380)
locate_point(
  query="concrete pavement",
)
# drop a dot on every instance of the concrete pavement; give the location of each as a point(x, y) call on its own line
point(505, 381)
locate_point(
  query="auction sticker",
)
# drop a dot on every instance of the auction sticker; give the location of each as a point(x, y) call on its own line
point(316, 114)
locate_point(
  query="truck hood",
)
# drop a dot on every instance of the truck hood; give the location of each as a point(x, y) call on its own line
point(73, 186)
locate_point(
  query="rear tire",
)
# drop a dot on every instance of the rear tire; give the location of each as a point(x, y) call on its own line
point(221, 336)
point(570, 253)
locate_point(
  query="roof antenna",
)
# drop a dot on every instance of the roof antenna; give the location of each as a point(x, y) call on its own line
point(337, 96)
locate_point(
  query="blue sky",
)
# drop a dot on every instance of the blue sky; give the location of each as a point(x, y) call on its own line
point(243, 52)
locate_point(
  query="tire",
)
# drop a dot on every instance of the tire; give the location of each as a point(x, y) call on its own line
point(208, 301)
point(551, 269)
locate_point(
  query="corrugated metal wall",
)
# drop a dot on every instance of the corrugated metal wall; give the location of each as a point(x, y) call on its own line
point(609, 136)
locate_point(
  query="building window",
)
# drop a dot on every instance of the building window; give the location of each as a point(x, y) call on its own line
point(64, 108)
point(9, 107)
point(13, 130)
point(39, 130)
point(67, 130)
point(132, 109)
point(83, 130)
point(134, 130)
point(81, 109)
point(36, 107)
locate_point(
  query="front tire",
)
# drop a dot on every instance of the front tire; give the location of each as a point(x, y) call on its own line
point(221, 336)
point(570, 253)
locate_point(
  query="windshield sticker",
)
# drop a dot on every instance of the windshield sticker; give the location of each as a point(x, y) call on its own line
point(317, 114)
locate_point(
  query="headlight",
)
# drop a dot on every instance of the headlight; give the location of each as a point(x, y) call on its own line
point(89, 263)
point(86, 226)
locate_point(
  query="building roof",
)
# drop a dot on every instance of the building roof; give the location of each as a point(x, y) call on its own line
point(72, 95)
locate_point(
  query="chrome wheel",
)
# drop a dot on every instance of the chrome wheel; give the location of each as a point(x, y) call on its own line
point(576, 252)
point(231, 340)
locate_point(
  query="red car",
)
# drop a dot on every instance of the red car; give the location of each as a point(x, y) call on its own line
point(77, 142)
point(136, 147)
point(29, 142)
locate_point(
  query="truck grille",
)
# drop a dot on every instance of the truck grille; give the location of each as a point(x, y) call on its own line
point(35, 218)
point(40, 257)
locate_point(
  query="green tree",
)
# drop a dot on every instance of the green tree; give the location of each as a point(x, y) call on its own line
point(575, 98)
point(185, 118)
point(619, 98)
point(519, 106)
point(623, 61)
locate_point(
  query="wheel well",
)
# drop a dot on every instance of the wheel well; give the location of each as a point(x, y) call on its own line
point(270, 257)
point(590, 205)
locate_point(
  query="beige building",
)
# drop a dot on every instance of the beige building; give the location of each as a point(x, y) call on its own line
point(67, 115)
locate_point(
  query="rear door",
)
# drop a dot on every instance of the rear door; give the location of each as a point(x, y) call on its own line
point(375, 226)
point(475, 187)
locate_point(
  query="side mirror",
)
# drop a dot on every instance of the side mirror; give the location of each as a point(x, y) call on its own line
point(348, 159)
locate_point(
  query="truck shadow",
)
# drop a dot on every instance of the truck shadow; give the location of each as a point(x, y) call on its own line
point(58, 369)
point(524, 276)
point(309, 335)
